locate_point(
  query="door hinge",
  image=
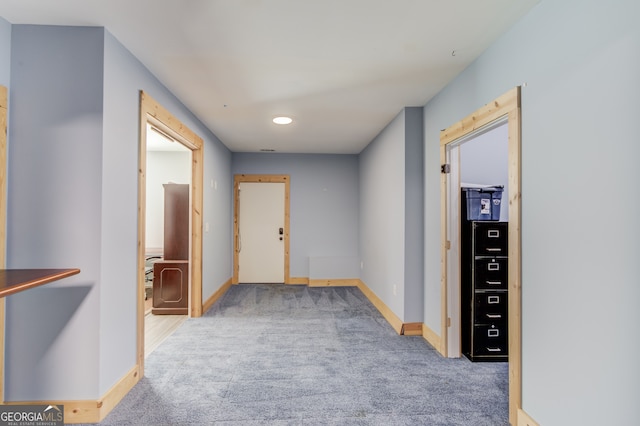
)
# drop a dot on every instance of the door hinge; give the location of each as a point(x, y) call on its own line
point(448, 322)
point(447, 245)
point(445, 168)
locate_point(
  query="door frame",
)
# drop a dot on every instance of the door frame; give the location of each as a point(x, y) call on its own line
point(454, 254)
point(508, 105)
point(241, 178)
point(152, 112)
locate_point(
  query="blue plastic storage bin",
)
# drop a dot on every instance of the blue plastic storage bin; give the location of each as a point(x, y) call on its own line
point(481, 203)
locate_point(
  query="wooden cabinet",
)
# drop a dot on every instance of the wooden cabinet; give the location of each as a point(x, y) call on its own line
point(171, 287)
point(171, 274)
point(176, 221)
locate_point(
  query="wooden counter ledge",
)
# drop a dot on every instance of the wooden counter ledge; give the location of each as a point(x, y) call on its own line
point(16, 280)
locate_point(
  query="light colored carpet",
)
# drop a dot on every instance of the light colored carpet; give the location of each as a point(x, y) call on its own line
point(293, 355)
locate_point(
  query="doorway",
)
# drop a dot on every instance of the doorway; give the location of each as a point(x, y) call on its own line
point(167, 236)
point(261, 229)
point(479, 159)
point(152, 113)
point(506, 107)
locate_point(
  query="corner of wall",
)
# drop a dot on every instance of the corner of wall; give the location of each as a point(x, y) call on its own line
point(414, 214)
point(5, 52)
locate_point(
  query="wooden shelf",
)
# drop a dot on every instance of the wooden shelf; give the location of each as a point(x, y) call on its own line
point(16, 280)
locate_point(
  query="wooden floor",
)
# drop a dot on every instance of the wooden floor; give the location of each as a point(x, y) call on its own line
point(159, 327)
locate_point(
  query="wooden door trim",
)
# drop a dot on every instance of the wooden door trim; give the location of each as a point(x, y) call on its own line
point(237, 179)
point(154, 113)
point(506, 105)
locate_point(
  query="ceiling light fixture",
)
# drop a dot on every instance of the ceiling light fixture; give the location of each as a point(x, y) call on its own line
point(282, 120)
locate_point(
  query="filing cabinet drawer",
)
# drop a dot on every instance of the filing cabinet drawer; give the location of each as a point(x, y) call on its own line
point(490, 307)
point(490, 340)
point(490, 273)
point(490, 238)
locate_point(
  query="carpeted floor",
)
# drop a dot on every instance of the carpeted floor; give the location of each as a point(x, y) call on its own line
point(293, 355)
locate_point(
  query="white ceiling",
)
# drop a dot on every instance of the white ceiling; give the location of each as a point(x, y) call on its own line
point(342, 69)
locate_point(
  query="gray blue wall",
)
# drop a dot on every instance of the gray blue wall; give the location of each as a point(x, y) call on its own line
point(413, 214)
point(54, 210)
point(581, 62)
point(5, 52)
point(124, 77)
point(72, 202)
point(484, 160)
point(391, 211)
point(323, 209)
point(382, 201)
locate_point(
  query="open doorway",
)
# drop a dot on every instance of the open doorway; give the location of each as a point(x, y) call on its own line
point(479, 164)
point(507, 108)
point(167, 236)
point(154, 115)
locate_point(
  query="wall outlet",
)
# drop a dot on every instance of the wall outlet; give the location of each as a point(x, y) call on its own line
point(361, 265)
point(206, 227)
point(395, 290)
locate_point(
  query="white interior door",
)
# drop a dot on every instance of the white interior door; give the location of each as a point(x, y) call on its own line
point(261, 232)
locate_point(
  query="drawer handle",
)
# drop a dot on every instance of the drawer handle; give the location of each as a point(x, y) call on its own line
point(494, 349)
point(493, 233)
point(493, 333)
point(493, 299)
point(494, 266)
point(494, 316)
point(494, 282)
point(494, 249)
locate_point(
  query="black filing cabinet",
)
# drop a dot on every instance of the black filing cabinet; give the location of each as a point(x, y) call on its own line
point(484, 290)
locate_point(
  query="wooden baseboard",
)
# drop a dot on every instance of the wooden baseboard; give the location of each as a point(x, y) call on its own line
point(409, 329)
point(117, 392)
point(412, 329)
point(298, 280)
point(347, 282)
point(431, 337)
point(524, 419)
point(215, 296)
point(387, 313)
point(88, 411)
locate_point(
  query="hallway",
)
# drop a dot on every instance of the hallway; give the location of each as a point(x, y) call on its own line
point(294, 355)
